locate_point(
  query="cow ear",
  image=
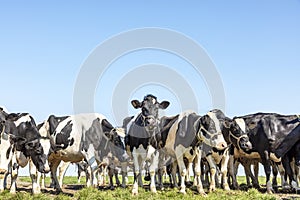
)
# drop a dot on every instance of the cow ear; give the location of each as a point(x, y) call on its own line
point(136, 104)
point(227, 123)
point(12, 116)
point(164, 104)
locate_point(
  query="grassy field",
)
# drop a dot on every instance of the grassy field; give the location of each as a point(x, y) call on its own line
point(168, 193)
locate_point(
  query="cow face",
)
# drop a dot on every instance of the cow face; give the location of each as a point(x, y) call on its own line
point(35, 150)
point(149, 107)
point(210, 132)
point(117, 137)
point(238, 134)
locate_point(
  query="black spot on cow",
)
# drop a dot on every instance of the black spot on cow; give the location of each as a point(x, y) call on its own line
point(186, 125)
point(63, 139)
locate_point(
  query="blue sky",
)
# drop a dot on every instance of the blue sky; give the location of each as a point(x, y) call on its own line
point(254, 45)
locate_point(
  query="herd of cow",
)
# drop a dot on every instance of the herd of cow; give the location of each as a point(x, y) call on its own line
point(210, 144)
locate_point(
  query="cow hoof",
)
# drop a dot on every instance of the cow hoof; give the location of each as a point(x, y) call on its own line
point(270, 192)
point(134, 192)
point(112, 188)
point(153, 189)
point(182, 191)
point(201, 191)
point(227, 188)
point(123, 186)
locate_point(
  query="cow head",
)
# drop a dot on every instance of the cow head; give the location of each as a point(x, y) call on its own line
point(238, 133)
point(117, 137)
point(149, 107)
point(209, 131)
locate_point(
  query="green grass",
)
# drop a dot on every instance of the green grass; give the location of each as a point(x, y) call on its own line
point(119, 193)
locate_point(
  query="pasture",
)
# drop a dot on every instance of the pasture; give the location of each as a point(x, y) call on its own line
point(72, 190)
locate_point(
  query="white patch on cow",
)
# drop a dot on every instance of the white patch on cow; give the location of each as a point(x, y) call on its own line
point(4, 161)
point(153, 101)
point(185, 114)
point(241, 123)
point(44, 129)
point(25, 118)
point(215, 120)
point(150, 152)
point(120, 132)
point(274, 157)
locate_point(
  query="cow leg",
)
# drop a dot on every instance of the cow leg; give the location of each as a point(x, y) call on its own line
point(152, 169)
point(224, 167)
point(41, 179)
point(232, 173)
point(36, 189)
point(255, 182)
point(282, 175)
point(173, 173)
point(14, 174)
point(213, 169)
point(3, 176)
point(267, 168)
point(137, 162)
point(124, 174)
point(53, 168)
point(197, 179)
point(161, 170)
point(182, 171)
point(110, 175)
point(61, 171)
point(287, 166)
point(275, 173)
point(116, 174)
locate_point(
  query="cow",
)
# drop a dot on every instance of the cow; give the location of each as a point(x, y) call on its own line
point(141, 137)
point(83, 137)
point(234, 132)
point(271, 135)
point(182, 136)
point(19, 144)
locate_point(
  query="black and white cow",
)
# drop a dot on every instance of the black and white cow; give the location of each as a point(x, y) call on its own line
point(142, 138)
point(271, 135)
point(183, 135)
point(235, 134)
point(19, 143)
point(83, 137)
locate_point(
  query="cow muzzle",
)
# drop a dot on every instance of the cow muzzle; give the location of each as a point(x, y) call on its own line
point(221, 146)
point(150, 121)
point(246, 146)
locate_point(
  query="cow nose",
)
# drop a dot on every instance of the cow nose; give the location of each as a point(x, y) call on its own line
point(46, 169)
point(221, 145)
point(149, 121)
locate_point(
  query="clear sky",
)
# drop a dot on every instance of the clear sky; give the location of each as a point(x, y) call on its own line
point(255, 46)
